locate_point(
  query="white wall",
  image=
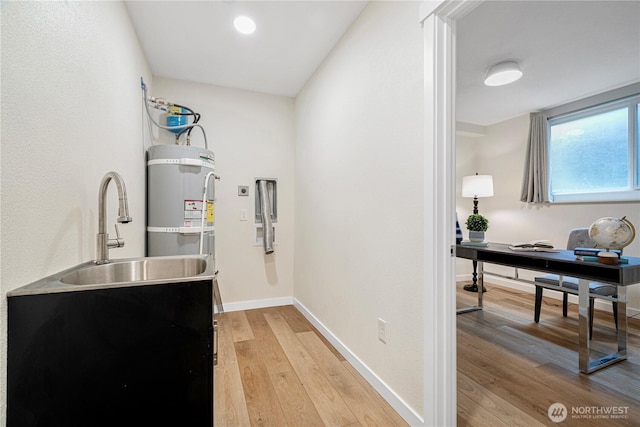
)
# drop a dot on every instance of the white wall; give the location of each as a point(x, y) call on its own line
point(359, 194)
point(70, 113)
point(501, 153)
point(252, 136)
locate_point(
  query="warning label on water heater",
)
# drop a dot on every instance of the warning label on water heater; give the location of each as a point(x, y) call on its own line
point(192, 206)
point(192, 213)
point(210, 211)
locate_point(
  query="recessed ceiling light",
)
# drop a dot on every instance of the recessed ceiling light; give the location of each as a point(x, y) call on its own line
point(244, 25)
point(503, 74)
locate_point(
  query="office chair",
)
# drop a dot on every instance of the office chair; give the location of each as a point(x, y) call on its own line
point(578, 238)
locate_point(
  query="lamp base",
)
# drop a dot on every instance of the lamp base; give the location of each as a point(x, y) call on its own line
point(473, 288)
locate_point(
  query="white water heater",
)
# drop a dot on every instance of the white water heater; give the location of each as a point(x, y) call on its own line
point(179, 213)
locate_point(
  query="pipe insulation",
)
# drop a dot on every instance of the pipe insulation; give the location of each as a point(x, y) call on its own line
point(267, 226)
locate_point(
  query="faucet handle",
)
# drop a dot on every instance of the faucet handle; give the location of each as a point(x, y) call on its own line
point(118, 242)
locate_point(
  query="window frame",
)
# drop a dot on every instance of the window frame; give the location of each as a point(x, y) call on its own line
point(593, 106)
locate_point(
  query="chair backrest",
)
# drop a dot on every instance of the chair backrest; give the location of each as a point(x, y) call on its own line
point(579, 238)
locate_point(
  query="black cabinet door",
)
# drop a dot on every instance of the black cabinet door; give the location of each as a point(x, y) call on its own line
point(135, 356)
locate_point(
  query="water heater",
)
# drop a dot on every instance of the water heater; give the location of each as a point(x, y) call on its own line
point(179, 213)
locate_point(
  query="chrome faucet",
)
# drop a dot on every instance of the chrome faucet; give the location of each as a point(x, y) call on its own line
point(103, 243)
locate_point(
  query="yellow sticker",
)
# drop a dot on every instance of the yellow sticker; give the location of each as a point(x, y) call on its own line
point(210, 212)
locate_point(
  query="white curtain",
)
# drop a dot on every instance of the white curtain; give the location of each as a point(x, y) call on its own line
point(535, 184)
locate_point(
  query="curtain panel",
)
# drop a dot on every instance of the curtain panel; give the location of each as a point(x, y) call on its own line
point(535, 183)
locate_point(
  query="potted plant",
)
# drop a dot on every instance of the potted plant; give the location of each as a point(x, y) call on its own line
point(477, 225)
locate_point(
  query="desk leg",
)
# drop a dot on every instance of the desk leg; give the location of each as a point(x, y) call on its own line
point(583, 325)
point(481, 280)
point(584, 360)
point(622, 321)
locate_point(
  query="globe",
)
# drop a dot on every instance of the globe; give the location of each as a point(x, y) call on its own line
point(612, 233)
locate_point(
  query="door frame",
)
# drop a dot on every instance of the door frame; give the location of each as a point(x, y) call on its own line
point(438, 19)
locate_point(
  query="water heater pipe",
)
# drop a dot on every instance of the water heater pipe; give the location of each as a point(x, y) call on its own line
point(145, 99)
point(204, 204)
point(267, 226)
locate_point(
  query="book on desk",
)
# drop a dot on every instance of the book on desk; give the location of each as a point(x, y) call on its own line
point(595, 251)
point(590, 258)
point(533, 246)
point(477, 244)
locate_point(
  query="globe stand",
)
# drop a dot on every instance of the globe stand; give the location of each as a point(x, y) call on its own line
point(608, 258)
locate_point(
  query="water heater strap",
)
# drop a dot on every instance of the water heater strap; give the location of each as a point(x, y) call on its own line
point(182, 162)
point(181, 230)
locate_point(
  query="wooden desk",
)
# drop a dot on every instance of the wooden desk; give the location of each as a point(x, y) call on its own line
point(564, 263)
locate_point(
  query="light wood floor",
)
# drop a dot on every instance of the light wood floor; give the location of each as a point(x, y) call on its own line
point(275, 369)
point(510, 369)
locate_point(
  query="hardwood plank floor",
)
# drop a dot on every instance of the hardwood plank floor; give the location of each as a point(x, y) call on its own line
point(229, 404)
point(511, 370)
point(276, 369)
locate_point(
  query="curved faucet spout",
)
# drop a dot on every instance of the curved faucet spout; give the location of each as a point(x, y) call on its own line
point(103, 243)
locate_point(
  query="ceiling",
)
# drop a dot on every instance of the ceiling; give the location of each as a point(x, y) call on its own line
point(196, 40)
point(567, 49)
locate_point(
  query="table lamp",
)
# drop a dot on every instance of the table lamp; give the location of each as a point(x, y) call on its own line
point(476, 186)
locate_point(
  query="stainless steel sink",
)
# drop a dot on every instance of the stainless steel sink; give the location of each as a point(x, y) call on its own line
point(136, 270)
point(123, 273)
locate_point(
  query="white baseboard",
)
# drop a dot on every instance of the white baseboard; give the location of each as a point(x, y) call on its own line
point(405, 411)
point(600, 304)
point(258, 303)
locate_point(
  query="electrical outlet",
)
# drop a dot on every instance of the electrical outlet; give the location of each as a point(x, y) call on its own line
point(243, 190)
point(244, 215)
point(382, 330)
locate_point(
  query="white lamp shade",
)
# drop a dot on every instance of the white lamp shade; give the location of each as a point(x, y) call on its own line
point(503, 74)
point(477, 186)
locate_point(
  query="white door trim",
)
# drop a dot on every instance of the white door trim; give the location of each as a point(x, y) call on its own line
point(438, 19)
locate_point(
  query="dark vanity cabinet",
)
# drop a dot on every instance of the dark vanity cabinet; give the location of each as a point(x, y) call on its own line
point(129, 356)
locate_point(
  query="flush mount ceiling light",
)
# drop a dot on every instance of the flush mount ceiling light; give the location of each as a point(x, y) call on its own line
point(503, 74)
point(244, 25)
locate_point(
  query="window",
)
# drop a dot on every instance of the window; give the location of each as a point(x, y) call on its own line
point(594, 153)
